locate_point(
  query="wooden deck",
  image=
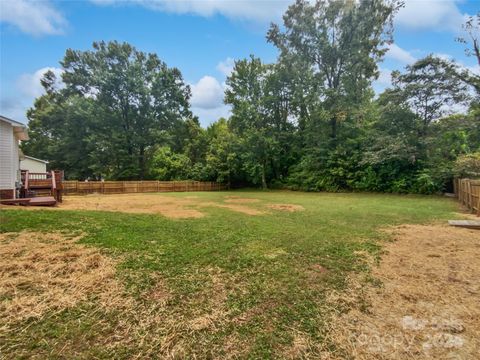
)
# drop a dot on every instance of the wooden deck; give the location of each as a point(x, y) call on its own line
point(36, 201)
point(42, 201)
point(38, 189)
point(36, 185)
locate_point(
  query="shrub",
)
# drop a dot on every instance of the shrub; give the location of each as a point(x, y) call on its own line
point(467, 166)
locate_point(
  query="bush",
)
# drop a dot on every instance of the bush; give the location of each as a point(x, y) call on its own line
point(467, 166)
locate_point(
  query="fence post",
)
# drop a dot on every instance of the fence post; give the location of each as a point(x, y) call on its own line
point(469, 194)
point(478, 200)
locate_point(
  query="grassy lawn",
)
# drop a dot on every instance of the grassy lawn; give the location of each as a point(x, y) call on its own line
point(231, 283)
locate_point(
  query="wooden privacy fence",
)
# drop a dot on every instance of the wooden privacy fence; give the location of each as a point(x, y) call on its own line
point(467, 192)
point(120, 187)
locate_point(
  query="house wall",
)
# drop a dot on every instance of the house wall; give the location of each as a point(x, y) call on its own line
point(9, 160)
point(33, 165)
point(7, 166)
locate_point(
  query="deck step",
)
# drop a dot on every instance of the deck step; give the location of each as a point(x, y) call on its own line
point(35, 201)
point(470, 224)
point(14, 201)
point(42, 201)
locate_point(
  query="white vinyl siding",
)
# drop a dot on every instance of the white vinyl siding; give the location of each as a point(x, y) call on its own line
point(16, 161)
point(33, 165)
point(8, 156)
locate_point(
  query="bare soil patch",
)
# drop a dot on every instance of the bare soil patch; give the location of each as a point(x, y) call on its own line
point(286, 207)
point(187, 207)
point(235, 207)
point(176, 208)
point(172, 207)
point(427, 305)
point(44, 272)
point(240, 200)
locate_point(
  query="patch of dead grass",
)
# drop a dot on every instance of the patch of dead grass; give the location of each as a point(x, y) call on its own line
point(50, 272)
point(235, 207)
point(176, 208)
point(240, 200)
point(44, 274)
point(188, 207)
point(428, 305)
point(286, 207)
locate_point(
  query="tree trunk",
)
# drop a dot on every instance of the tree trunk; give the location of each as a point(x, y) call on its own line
point(264, 179)
point(333, 123)
point(141, 162)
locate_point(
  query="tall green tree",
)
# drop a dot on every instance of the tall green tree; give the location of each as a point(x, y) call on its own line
point(138, 99)
point(430, 88)
point(260, 98)
point(339, 43)
point(223, 161)
point(246, 93)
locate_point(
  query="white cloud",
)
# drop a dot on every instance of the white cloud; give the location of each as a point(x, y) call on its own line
point(207, 100)
point(207, 93)
point(384, 81)
point(29, 84)
point(14, 108)
point(16, 104)
point(395, 52)
point(385, 77)
point(262, 11)
point(208, 116)
point(32, 17)
point(431, 15)
point(226, 66)
point(443, 56)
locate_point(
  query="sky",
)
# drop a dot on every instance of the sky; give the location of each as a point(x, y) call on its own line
point(202, 38)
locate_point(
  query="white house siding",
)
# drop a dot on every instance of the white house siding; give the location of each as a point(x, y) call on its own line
point(33, 165)
point(8, 165)
point(16, 161)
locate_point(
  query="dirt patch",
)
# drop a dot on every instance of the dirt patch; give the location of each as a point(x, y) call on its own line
point(286, 207)
point(235, 207)
point(45, 272)
point(176, 208)
point(172, 207)
point(239, 200)
point(427, 305)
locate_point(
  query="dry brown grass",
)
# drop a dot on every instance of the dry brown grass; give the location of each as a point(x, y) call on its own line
point(172, 207)
point(44, 274)
point(286, 207)
point(171, 328)
point(428, 306)
point(41, 273)
point(235, 207)
point(240, 200)
point(176, 208)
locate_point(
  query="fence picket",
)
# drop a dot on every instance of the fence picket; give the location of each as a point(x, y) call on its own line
point(74, 187)
point(467, 192)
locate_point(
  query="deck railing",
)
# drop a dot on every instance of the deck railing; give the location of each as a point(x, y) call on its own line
point(35, 183)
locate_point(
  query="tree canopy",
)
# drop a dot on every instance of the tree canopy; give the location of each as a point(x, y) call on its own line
point(311, 120)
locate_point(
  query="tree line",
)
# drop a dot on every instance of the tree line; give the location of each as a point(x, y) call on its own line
point(309, 121)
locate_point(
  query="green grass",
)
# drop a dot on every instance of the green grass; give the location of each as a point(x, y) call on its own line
point(262, 264)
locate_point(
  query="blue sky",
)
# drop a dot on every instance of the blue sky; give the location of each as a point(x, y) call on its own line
point(200, 37)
